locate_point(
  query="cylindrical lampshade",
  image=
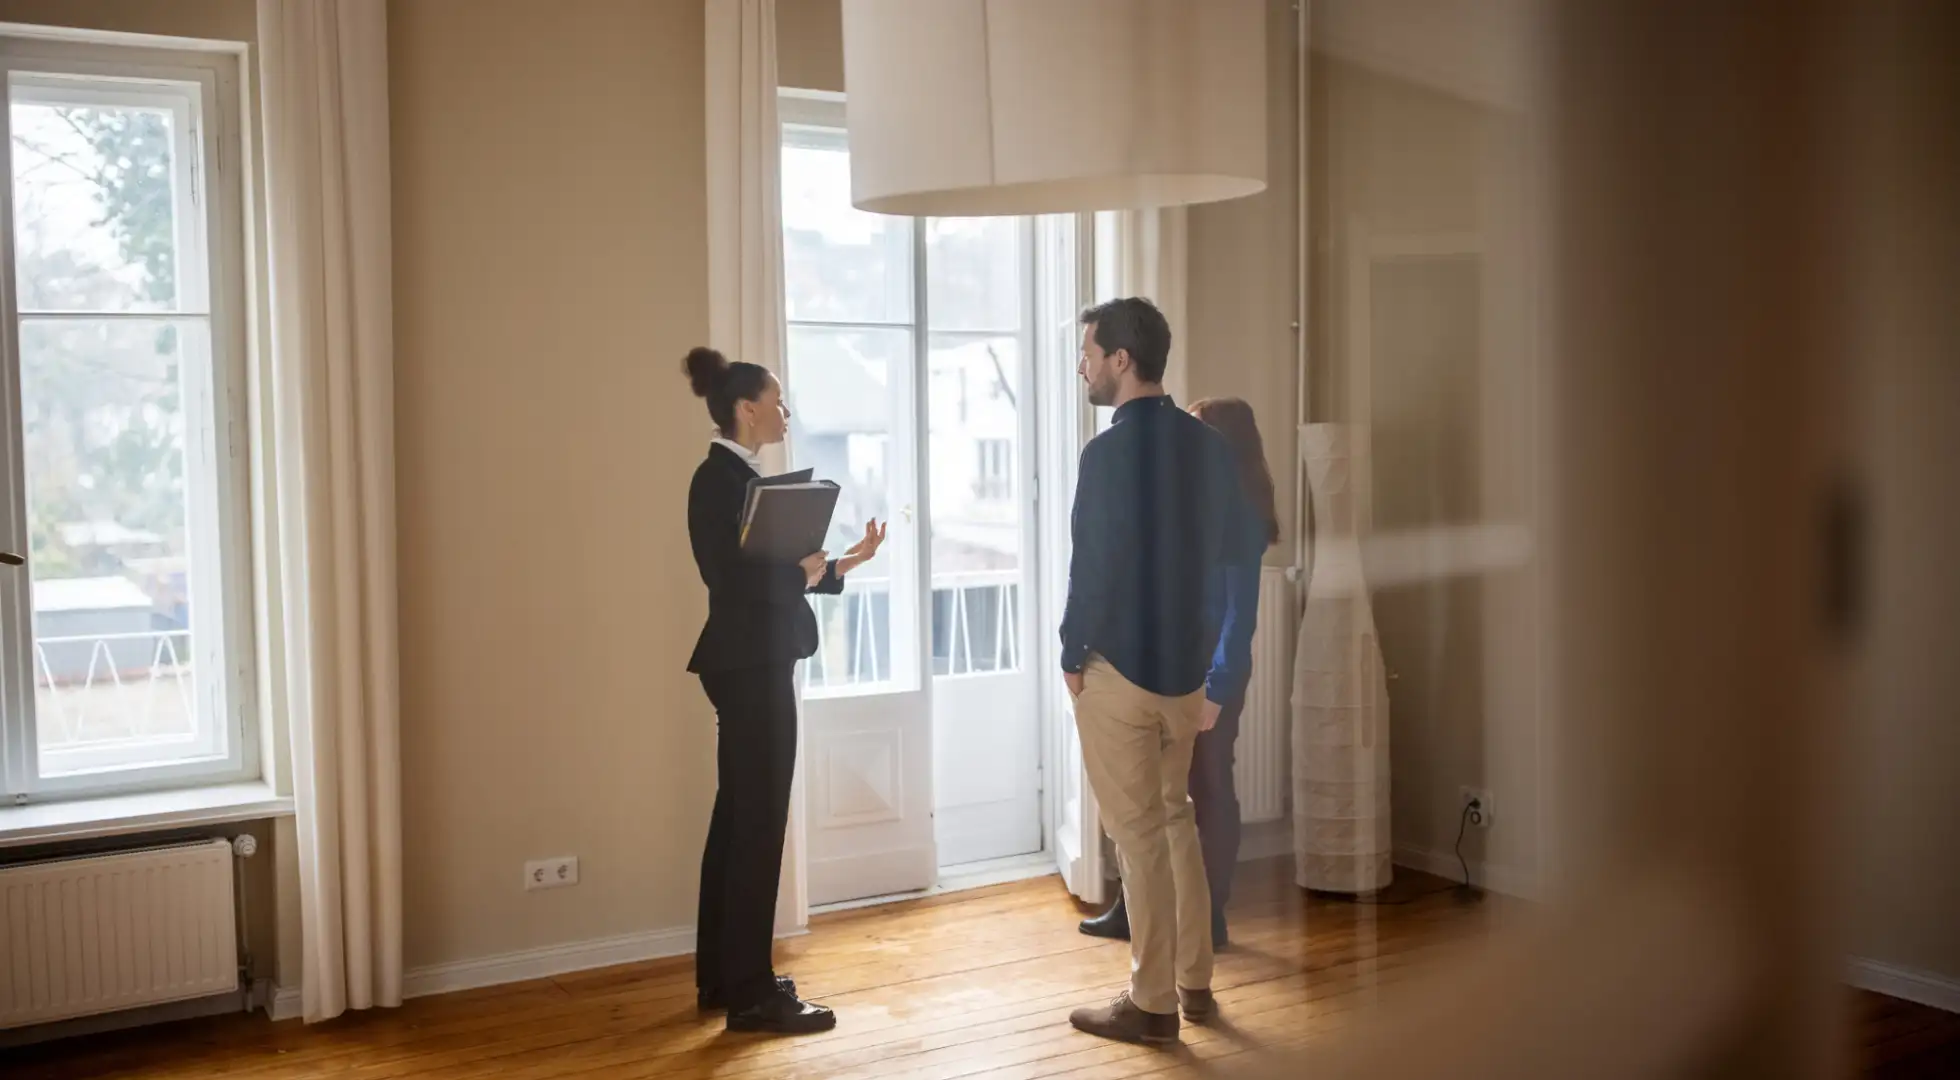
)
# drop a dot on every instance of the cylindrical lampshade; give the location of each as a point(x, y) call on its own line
point(976, 108)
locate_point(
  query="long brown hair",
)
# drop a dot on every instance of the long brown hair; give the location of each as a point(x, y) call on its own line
point(1232, 418)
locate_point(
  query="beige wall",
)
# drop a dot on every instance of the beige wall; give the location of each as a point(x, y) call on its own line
point(1242, 284)
point(550, 259)
point(1905, 879)
point(1904, 789)
point(216, 20)
point(810, 44)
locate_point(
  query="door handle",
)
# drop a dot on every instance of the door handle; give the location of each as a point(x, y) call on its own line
point(8, 558)
point(906, 513)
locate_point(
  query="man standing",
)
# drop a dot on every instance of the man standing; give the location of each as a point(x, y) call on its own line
point(1158, 500)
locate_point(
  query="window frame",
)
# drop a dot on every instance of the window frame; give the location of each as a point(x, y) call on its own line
point(216, 445)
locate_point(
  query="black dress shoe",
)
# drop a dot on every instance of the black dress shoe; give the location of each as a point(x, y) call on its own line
point(1113, 924)
point(716, 1000)
point(783, 1014)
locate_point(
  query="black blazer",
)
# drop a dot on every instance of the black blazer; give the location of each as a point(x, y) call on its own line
point(757, 614)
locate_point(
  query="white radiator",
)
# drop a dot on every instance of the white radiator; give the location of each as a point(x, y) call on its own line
point(1264, 728)
point(106, 932)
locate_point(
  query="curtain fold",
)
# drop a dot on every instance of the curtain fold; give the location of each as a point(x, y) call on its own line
point(330, 468)
point(745, 267)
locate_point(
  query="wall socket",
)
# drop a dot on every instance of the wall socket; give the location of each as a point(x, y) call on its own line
point(551, 873)
point(1476, 803)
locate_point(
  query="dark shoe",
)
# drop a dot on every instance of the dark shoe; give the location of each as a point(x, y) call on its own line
point(1198, 1006)
point(1113, 924)
point(1123, 1021)
point(716, 1000)
point(783, 1014)
point(1219, 939)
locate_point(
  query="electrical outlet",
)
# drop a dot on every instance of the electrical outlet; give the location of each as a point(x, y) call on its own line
point(551, 873)
point(1476, 804)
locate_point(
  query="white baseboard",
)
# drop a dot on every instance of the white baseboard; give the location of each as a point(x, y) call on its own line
point(543, 963)
point(1491, 877)
point(1924, 987)
point(285, 1004)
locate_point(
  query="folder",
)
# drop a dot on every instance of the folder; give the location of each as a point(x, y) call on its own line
point(787, 517)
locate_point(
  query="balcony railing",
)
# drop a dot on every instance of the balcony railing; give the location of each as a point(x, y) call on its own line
point(975, 622)
point(110, 687)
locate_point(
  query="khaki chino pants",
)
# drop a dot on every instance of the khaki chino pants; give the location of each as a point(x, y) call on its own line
point(1136, 748)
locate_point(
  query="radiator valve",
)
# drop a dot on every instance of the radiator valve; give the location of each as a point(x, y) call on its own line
point(245, 846)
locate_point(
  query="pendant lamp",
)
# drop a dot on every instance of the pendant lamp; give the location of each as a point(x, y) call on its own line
point(976, 108)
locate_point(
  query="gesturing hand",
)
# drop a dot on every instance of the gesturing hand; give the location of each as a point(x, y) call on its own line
point(865, 549)
point(812, 566)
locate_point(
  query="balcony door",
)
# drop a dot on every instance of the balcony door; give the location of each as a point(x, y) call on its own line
point(910, 362)
point(981, 540)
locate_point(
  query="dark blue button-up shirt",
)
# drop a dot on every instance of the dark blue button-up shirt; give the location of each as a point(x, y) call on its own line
point(1159, 512)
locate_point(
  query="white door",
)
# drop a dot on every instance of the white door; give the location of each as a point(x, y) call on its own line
point(850, 285)
point(980, 422)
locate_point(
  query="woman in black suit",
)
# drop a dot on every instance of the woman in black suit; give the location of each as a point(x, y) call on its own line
point(759, 626)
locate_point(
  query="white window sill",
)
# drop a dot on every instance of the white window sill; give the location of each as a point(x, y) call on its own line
point(119, 815)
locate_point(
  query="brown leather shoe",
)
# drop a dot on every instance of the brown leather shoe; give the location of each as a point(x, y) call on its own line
point(1123, 1021)
point(1198, 1005)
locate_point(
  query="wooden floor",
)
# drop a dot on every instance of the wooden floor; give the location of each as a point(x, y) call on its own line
point(1898, 1040)
point(974, 984)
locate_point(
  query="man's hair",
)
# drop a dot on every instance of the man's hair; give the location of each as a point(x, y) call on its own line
point(1133, 324)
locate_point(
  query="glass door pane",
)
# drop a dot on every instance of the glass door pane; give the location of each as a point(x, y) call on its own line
point(853, 347)
point(850, 405)
point(977, 454)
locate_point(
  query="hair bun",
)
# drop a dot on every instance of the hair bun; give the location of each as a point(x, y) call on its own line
point(705, 368)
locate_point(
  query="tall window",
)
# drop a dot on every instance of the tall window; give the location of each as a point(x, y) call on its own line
point(124, 640)
point(875, 303)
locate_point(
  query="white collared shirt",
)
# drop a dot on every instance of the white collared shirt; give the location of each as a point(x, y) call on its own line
point(753, 460)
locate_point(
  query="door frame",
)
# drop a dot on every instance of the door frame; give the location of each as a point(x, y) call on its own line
point(1073, 827)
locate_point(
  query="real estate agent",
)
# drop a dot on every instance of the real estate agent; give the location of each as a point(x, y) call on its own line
point(759, 626)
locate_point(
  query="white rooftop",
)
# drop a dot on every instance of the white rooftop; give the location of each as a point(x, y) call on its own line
point(89, 594)
point(104, 533)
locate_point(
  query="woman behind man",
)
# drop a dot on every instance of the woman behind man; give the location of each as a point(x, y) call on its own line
point(1235, 607)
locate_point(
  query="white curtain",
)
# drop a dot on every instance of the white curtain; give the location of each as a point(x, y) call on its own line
point(331, 525)
point(745, 265)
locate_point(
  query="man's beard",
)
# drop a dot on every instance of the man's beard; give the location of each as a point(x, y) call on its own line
point(1102, 392)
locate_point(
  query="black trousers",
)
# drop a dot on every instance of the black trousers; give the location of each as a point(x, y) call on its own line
point(742, 865)
point(1215, 799)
